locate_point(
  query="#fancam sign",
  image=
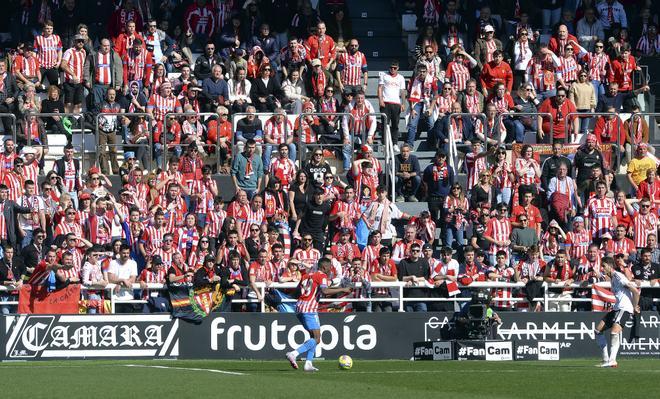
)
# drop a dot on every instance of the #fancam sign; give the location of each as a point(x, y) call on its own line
point(90, 336)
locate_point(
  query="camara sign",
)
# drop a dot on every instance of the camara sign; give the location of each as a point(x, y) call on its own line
point(484, 350)
point(29, 337)
point(434, 350)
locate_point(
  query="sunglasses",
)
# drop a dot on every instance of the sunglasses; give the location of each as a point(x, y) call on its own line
point(71, 213)
point(414, 250)
point(561, 95)
point(168, 240)
point(266, 69)
point(204, 241)
point(598, 46)
point(254, 229)
point(523, 220)
point(318, 155)
point(307, 239)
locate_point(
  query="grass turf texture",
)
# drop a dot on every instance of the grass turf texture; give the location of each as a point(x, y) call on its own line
point(368, 379)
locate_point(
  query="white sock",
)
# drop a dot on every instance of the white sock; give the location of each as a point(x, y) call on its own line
point(295, 353)
point(602, 343)
point(308, 363)
point(614, 349)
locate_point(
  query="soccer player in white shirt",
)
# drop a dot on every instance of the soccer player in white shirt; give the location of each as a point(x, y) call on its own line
point(627, 302)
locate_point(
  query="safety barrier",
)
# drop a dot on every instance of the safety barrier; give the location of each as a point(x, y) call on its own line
point(388, 161)
point(78, 120)
point(591, 114)
point(13, 124)
point(338, 118)
point(167, 146)
point(633, 117)
point(117, 127)
point(543, 115)
point(398, 297)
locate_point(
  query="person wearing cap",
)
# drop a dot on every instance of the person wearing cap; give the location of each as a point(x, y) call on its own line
point(163, 102)
point(72, 64)
point(27, 69)
point(129, 164)
point(317, 80)
point(486, 45)
point(391, 96)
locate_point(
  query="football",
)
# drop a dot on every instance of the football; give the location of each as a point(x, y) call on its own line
point(345, 362)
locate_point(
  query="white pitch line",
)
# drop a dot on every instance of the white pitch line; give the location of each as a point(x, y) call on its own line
point(185, 369)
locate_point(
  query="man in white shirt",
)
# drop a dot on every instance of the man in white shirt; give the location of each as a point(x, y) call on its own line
point(391, 93)
point(123, 272)
point(627, 302)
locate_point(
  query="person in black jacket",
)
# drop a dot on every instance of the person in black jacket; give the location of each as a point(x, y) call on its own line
point(414, 271)
point(408, 174)
point(266, 93)
point(35, 252)
point(11, 270)
point(234, 279)
point(10, 209)
point(205, 62)
point(7, 96)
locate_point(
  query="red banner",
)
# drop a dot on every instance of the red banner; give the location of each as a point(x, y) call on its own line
point(542, 151)
point(37, 299)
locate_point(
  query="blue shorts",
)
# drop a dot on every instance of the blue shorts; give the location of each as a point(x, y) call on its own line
point(309, 320)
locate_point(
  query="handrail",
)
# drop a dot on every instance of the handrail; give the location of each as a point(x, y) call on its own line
point(302, 146)
point(543, 115)
point(453, 151)
point(109, 288)
point(81, 123)
point(149, 118)
point(618, 129)
point(163, 135)
point(641, 115)
point(13, 122)
point(389, 149)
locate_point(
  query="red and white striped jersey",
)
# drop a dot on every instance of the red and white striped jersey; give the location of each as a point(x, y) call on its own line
point(351, 67)
point(304, 128)
point(648, 46)
point(284, 169)
point(186, 240)
point(473, 103)
point(499, 230)
point(163, 105)
point(491, 47)
point(623, 246)
point(308, 257)
point(362, 122)
point(601, 212)
point(543, 73)
point(28, 66)
point(214, 222)
point(502, 179)
point(71, 178)
point(474, 167)
point(200, 20)
point(7, 162)
point(83, 216)
point(167, 256)
point(137, 65)
point(196, 259)
point(278, 131)
point(569, 69)
point(14, 182)
point(102, 70)
point(370, 254)
point(443, 103)
point(247, 216)
point(458, 74)
point(262, 273)
point(401, 249)
point(529, 270)
point(388, 269)
point(420, 91)
point(67, 228)
point(151, 276)
point(587, 268)
point(597, 65)
point(152, 238)
point(526, 171)
point(344, 252)
point(577, 243)
point(310, 291)
point(643, 225)
point(503, 293)
point(75, 60)
point(502, 104)
point(203, 188)
point(352, 213)
point(47, 49)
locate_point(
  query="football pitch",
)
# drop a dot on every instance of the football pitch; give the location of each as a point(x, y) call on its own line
point(368, 379)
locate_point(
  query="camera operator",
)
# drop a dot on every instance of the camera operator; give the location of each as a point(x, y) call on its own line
point(477, 319)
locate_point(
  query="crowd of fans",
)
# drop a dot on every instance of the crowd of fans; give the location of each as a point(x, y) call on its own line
point(519, 220)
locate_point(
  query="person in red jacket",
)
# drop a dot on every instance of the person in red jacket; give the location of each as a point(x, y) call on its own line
point(562, 39)
point(494, 72)
point(125, 41)
point(201, 21)
point(622, 68)
point(607, 129)
point(321, 46)
point(559, 107)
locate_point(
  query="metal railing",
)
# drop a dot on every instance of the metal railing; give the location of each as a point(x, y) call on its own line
point(388, 161)
point(592, 114)
point(398, 296)
point(642, 115)
point(339, 118)
point(77, 119)
point(453, 150)
point(118, 125)
point(167, 146)
point(543, 115)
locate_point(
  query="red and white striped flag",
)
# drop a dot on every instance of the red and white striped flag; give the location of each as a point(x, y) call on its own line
point(601, 298)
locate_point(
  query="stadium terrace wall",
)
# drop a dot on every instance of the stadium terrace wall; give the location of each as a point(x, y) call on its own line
point(267, 336)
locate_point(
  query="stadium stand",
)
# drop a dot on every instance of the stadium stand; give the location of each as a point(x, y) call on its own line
point(143, 137)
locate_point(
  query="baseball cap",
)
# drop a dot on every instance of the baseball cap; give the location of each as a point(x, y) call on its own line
point(345, 230)
point(606, 235)
point(427, 246)
point(28, 150)
point(85, 196)
point(316, 62)
point(129, 155)
point(78, 37)
point(156, 260)
point(366, 148)
point(209, 258)
point(578, 219)
point(488, 28)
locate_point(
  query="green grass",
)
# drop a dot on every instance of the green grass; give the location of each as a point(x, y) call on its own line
point(368, 379)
